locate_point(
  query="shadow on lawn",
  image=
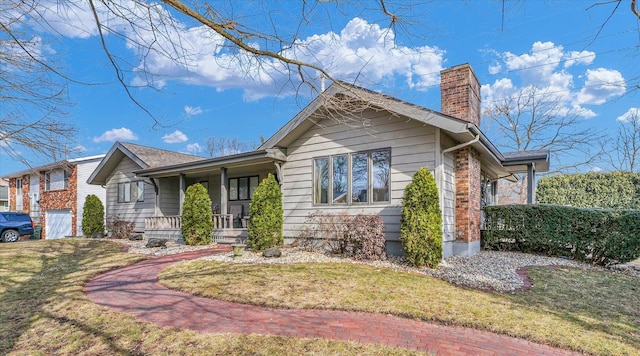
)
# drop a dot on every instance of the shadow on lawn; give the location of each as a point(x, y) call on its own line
point(32, 275)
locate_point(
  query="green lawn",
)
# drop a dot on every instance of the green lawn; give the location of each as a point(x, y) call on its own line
point(44, 311)
point(596, 312)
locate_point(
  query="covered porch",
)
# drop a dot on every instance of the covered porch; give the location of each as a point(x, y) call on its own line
point(230, 182)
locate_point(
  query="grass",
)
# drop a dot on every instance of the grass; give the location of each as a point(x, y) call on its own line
point(45, 311)
point(595, 312)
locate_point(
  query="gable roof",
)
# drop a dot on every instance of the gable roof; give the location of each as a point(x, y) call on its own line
point(143, 156)
point(65, 163)
point(301, 123)
point(460, 130)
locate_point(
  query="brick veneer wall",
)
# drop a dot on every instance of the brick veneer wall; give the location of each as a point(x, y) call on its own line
point(460, 98)
point(61, 199)
point(26, 190)
point(467, 195)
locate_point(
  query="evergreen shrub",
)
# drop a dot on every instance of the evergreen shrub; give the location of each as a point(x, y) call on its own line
point(598, 236)
point(613, 190)
point(421, 221)
point(92, 215)
point(197, 218)
point(265, 216)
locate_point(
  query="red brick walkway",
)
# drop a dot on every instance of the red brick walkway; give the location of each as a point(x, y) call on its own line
point(135, 290)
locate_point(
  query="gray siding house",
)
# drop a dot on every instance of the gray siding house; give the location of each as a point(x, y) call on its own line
point(350, 150)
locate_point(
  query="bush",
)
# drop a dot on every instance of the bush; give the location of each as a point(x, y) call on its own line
point(360, 237)
point(421, 221)
point(92, 215)
point(120, 229)
point(325, 230)
point(614, 190)
point(197, 218)
point(265, 216)
point(599, 236)
point(364, 239)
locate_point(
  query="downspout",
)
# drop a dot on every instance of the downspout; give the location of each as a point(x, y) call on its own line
point(450, 149)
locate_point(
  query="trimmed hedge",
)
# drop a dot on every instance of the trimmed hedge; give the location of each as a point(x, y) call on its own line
point(613, 190)
point(598, 236)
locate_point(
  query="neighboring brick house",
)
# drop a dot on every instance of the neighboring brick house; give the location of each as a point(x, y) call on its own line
point(54, 194)
point(4, 195)
point(325, 165)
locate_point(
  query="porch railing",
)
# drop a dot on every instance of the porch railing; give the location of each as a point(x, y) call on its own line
point(220, 221)
point(162, 223)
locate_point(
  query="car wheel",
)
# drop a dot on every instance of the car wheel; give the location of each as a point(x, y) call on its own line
point(10, 236)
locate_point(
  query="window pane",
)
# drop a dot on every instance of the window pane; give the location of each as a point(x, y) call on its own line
point(321, 181)
point(359, 178)
point(253, 184)
point(381, 161)
point(47, 181)
point(340, 179)
point(120, 192)
point(233, 189)
point(140, 191)
point(66, 179)
point(243, 188)
point(127, 192)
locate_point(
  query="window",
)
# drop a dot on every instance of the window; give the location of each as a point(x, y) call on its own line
point(130, 192)
point(357, 178)
point(65, 179)
point(19, 186)
point(242, 188)
point(58, 179)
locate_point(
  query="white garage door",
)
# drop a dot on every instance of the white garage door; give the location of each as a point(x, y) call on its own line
point(58, 224)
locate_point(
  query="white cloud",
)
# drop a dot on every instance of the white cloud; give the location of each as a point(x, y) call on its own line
point(596, 169)
point(192, 111)
point(122, 133)
point(541, 69)
point(194, 148)
point(575, 57)
point(600, 85)
point(633, 114)
point(360, 51)
point(175, 137)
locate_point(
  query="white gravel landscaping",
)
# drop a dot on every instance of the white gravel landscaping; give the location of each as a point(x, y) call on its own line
point(491, 270)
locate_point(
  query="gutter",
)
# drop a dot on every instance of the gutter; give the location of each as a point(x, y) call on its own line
point(457, 147)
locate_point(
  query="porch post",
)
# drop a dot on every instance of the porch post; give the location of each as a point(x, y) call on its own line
point(183, 187)
point(531, 180)
point(223, 190)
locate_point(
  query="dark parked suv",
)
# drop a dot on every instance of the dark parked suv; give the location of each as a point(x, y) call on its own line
point(14, 225)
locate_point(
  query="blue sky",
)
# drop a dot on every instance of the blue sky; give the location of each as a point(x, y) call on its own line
point(551, 45)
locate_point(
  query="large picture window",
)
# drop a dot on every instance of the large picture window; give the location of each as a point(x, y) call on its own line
point(130, 192)
point(357, 178)
point(242, 188)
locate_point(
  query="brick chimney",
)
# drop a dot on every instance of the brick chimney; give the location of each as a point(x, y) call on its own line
point(460, 91)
